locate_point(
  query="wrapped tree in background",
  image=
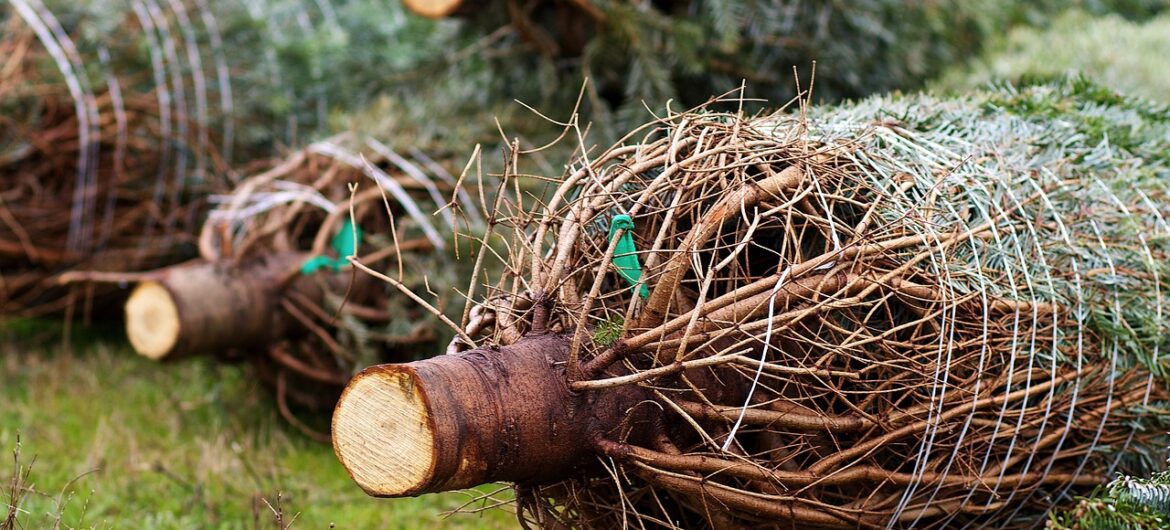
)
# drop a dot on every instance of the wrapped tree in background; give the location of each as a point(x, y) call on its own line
point(120, 117)
point(89, 179)
point(687, 51)
point(904, 312)
point(274, 285)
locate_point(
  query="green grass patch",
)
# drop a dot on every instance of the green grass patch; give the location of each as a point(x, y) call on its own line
point(116, 441)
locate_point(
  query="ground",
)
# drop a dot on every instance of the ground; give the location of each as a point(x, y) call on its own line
point(116, 441)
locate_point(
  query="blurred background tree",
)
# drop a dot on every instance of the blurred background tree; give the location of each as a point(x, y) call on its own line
point(640, 54)
point(1126, 55)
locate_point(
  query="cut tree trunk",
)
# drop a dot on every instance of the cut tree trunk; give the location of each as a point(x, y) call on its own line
point(480, 416)
point(433, 8)
point(203, 307)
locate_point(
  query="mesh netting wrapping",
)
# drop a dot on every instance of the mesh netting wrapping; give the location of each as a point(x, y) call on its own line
point(120, 117)
point(88, 179)
point(908, 311)
point(311, 205)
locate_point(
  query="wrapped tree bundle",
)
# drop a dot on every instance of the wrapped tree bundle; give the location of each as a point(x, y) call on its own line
point(274, 284)
point(89, 180)
point(903, 312)
point(120, 117)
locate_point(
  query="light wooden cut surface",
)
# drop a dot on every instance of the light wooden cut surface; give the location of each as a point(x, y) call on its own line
point(432, 8)
point(152, 320)
point(381, 435)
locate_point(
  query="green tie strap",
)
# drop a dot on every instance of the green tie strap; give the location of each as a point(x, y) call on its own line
point(625, 254)
point(343, 244)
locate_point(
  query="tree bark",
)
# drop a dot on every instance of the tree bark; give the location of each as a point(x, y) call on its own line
point(480, 416)
point(201, 307)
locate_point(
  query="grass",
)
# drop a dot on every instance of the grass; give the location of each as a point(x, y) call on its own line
point(115, 441)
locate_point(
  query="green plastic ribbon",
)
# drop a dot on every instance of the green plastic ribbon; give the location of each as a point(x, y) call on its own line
point(343, 243)
point(625, 254)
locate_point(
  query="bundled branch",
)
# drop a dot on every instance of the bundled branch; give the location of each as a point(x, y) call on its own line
point(904, 312)
point(274, 283)
point(89, 181)
point(119, 118)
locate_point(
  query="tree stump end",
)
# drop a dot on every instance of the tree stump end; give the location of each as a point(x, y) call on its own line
point(152, 320)
point(435, 9)
point(383, 433)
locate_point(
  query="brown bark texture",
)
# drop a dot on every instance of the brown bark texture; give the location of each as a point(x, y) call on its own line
point(211, 307)
point(490, 415)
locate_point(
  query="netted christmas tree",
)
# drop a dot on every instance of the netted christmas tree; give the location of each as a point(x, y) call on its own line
point(909, 311)
point(274, 285)
point(121, 117)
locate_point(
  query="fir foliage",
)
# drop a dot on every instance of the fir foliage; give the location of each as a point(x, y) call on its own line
point(1127, 56)
point(1127, 503)
point(688, 51)
point(279, 70)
